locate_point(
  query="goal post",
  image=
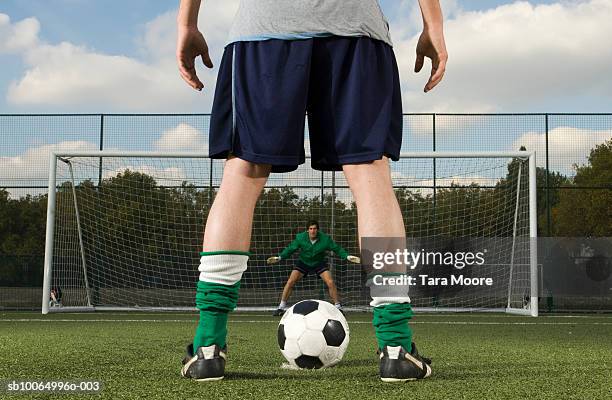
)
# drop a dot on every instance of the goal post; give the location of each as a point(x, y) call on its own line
point(124, 228)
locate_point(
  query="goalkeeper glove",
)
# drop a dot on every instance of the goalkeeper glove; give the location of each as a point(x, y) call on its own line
point(354, 259)
point(273, 260)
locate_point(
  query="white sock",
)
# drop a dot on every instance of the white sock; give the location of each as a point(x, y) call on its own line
point(282, 305)
point(338, 305)
point(383, 301)
point(225, 269)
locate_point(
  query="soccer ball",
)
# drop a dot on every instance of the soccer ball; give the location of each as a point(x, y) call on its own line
point(313, 334)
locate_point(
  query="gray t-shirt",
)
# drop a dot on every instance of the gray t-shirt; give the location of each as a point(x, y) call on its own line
point(301, 19)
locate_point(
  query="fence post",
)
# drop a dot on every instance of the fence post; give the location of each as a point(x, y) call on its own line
point(333, 216)
point(210, 184)
point(101, 148)
point(434, 171)
point(322, 195)
point(547, 191)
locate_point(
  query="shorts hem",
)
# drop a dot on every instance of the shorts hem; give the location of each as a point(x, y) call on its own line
point(317, 271)
point(355, 158)
point(306, 269)
point(278, 163)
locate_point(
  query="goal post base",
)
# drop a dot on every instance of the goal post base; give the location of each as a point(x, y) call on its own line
point(418, 310)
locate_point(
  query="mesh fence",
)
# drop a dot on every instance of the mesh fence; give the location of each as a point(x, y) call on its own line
point(573, 199)
point(133, 241)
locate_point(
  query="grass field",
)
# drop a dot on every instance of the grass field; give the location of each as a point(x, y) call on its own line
point(475, 356)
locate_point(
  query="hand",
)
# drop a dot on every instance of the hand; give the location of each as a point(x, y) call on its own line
point(431, 45)
point(189, 46)
point(354, 259)
point(273, 260)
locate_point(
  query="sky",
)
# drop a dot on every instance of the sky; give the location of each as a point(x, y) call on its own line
point(117, 56)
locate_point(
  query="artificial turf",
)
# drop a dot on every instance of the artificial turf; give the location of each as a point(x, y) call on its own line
point(475, 356)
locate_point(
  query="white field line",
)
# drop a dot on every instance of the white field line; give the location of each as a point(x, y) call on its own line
point(419, 315)
point(276, 321)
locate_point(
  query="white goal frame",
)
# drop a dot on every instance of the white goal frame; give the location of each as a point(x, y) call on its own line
point(530, 309)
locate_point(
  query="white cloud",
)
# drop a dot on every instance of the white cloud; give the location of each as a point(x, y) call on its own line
point(77, 78)
point(32, 166)
point(73, 76)
point(159, 38)
point(34, 163)
point(405, 19)
point(566, 144)
point(18, 36)
point(182, 137)
point(517, 56)
point(66, 76)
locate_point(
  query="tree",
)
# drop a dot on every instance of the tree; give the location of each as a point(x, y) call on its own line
point(22, 239)
point(555, 180)
point(588, 212)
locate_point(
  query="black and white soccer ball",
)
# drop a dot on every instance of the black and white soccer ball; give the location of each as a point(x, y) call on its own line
point(313, 334)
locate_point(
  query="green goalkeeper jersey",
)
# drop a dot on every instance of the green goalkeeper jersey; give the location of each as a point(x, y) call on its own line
point(313, 254)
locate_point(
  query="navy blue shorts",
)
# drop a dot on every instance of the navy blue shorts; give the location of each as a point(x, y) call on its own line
point(348, 86)
point(306, 269)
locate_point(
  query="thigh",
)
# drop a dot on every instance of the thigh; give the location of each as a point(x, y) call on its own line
point(295, 276)
point(260, 103)
point(327, 277)
point(303, 268)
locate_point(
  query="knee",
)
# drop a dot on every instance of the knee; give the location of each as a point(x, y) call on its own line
point(247, 168)
point(374, 167)
point(330, 284)
point(369, 180)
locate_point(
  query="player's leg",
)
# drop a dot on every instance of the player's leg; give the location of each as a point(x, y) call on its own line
point(326, 276)
point(235, 201)
point(261, 123)
point(224, 259)
point(294, 278)
point(379, 215)
point(359, 133)
point(378, 212)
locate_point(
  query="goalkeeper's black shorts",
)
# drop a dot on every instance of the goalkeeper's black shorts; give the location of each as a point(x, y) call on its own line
point(307, 269)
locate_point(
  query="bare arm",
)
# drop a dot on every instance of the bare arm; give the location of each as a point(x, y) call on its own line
point(190, 43)
point(431, 43)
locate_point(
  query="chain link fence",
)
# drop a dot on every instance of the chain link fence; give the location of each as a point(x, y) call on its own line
point(573, 157)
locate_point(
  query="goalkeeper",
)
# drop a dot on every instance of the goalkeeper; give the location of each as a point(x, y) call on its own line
point(313, 245)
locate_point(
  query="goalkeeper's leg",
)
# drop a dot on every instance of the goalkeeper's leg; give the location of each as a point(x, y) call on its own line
point(294, 278)
point(379, 215)
point(224, 258)
point(331, 287)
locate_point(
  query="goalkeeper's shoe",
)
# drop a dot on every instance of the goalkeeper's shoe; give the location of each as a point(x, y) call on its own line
point(278, 312)
point(397, 365)
point(207, 364)
point(339, 307)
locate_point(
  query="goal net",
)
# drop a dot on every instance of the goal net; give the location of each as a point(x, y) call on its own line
point(124, 230)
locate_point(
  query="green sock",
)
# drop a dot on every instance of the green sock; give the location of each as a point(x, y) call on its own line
point(215, 301)
point(391, 325)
